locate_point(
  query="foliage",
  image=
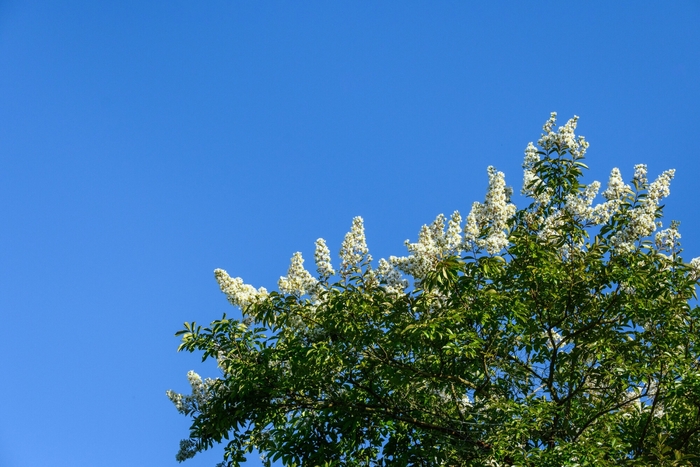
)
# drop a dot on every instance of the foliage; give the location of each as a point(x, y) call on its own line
point(561, 334)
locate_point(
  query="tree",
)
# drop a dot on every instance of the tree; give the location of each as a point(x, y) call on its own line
point(561, 334)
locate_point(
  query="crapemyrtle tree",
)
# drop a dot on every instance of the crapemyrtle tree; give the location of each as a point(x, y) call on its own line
point(561, 334)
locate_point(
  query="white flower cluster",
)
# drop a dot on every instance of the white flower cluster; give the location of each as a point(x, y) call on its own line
point(695, 268)
point(549, 229)
point(642, 218)
point(434, 244)
point(322, 256)
point(628, 289)
point(553, 340)
point(200, 394)
point(579, 205)
point(530, 179)
point(390, 276)
point(640, 174)
point(298, 281)
point(238, 293)
point(493, 214)
point(614, 194)
point(616, 186)
point(452, 242)
point(354, 247)
point(667, 239)
point(564, 138)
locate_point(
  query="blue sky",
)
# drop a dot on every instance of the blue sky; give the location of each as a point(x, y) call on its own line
point(143, 144)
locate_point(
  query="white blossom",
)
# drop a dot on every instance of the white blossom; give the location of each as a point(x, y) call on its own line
point(496, 206)
point(544, 197)
point(579, 205)
point(354, 247)
point(434, 244)
point(616, 186)
point(642, 218)
point(628, 289)
point(453, 237)
point(201, 393)
point(238, 293)
point(695, 268)
point(564, 138)
point(465, 402)
point(176, 399)
point(640, 174)
point(548, 126)
point(390, 276)
point(550, 226)
point(667, 239)
point(322, 256)
point(661, 187)
point(659, 411)
point(602, 212)
point(494, 213)
point(614, 194)
point(553, 340)
point(433, 234)
point(530, 178)
point(298, 281)
point(531, 157)
point(425, 253)
point(495, 242)
point(472, 230)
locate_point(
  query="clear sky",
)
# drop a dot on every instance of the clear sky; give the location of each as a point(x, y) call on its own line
point(144, 144)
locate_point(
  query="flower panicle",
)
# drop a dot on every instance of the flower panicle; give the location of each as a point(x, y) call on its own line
point(322, 255)
point(390, 276)
point(564, 139)
point(435, 242)
point(238, 293)
point(298, 280)
point(353, 250)
point(491, 216)
point(201, 394)
point(641, 220)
